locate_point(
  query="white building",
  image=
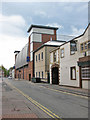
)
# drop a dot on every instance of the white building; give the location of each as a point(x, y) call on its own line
point(74, 62)
point(13, 73)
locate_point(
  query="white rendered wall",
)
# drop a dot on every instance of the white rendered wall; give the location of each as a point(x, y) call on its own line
point(57, 55)
point(51, 57)
point(50, 74)
point(31, 47)
point(43, 30)
point(36, 38)
point(70, 61)
point(86, 84)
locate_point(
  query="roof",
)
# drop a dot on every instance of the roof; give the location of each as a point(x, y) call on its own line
point(54, 49)
point(16, 51)
point(73, 38)
point(21, 58)
point(41, 26)
point(65, 37)
point(77, 36)
point(51, 44)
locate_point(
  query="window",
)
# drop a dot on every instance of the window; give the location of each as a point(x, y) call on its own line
point(81, 47)
point(89, 45)
point(42, 55)
point(36, 57)
point(42, 74)
point(62, 52)
point(54, 57)
point(85, 46)
point(85, 73)
point(39, 74)
point(39, 57)
point(36, 74)
point(73, 47)
point(73, 73)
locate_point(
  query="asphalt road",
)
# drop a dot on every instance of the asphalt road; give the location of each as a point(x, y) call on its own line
point(60, 104)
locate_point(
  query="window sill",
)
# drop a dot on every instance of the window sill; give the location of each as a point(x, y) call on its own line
point(72, 53)
point(62, 57)
point(73, 79)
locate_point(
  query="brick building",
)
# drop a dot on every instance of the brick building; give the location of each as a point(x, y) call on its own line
point(38, 35)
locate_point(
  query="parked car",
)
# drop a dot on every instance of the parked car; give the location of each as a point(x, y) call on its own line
point(9, 77)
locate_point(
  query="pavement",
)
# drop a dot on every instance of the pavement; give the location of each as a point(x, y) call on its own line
point(24, 99)
point(15, 105)
point(73, 90)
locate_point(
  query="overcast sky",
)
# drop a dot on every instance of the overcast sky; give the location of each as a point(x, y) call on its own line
point(16, 18)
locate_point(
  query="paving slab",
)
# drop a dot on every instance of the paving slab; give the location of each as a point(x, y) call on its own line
point(15, 105)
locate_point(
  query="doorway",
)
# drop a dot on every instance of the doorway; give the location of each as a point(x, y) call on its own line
point(29, 77)
point(55, 76)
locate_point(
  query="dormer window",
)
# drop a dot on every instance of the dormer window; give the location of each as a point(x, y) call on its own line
point(73, 47)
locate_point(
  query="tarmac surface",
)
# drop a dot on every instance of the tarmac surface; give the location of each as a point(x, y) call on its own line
point(23, 99)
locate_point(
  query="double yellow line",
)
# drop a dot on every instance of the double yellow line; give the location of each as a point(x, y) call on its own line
point(47, 111)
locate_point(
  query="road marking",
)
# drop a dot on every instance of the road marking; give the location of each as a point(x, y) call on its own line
point(61, 91)
point(65, 92)
point(46, 110)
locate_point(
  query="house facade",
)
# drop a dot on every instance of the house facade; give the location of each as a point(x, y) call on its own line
point(74, 62)
point(41, 60)
point(55, 66)
point(38, 35)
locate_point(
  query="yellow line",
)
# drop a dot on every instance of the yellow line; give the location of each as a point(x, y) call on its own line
point(65, 92)
point(61, 91)
point(47, 111)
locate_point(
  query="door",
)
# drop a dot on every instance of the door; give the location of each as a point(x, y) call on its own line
point(55, 76)
point(29, 77)
point(85, 74)
point(48, 77)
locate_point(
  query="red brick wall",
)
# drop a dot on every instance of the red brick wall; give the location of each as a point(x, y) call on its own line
point(29, 70)
point(36, 45)
point(46, 38)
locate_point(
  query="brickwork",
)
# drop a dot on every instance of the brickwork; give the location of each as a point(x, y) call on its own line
point(29, 69)
point(46, 38)
point(36, 45)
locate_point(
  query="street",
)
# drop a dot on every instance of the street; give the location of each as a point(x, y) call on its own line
point(47, 103)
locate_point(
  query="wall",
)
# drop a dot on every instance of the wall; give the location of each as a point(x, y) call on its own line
point(70, 61)
point(37, 37)
point(40, 64)
point(52, 63)
point(43, 65)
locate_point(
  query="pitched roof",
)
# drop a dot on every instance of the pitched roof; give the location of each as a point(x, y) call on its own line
point(51, 44)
